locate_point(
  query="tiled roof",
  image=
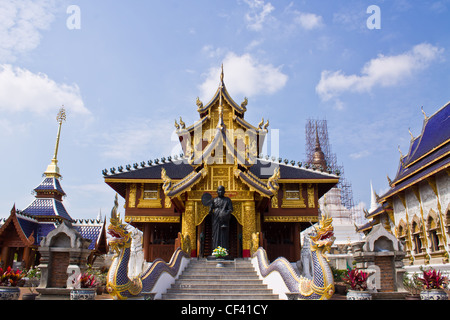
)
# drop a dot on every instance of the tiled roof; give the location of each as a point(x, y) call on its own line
point(89, 229)
point(428, 153)
point(431, 145)
point(50, 184)
point(47, 207)
point(44, 229)
point(175, 170)
point(29, 225)
point(444, 163)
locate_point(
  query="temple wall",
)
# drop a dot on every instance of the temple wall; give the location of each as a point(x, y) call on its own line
point(412, 204)
point(429, 199)
point(443, 186)
point(399, 210)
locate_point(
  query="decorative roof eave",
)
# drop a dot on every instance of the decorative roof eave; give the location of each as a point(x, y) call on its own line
point(262, 131)
point(369, 225)
point(222, 91)
point(381, 209)
point(183, 131)
point(428, 172)
point(173, 190)
point(221, 137)
point(428, 153)
point(267, 190)
point(196, 158)
point(27, 241)
point(55, 186)
point(440, 154)
point(419, 146)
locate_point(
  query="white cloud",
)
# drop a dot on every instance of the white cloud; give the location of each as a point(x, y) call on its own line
point(382, 71)
point(140, 140)
point(23, 90)
point(21, 23)
point(359, 155)
point(244, 75)
point(308, 21)
point(259, 14)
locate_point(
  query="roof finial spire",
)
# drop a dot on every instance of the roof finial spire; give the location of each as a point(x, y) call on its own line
point(410, 133)
point(52, 168)
point(424, 114)
point(221, 75)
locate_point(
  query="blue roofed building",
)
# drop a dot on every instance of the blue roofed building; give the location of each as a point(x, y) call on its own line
point(416, 208)
point(22, 232)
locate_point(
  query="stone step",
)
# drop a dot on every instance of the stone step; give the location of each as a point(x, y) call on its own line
point(209, 272)
point(209, 296)
point(225, 286)
point(217, 276)
point(219, 290)
point(202, 280)
point(204, 266)
point(221, 282)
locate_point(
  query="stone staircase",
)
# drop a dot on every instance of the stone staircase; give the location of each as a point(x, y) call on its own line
point(203, 280)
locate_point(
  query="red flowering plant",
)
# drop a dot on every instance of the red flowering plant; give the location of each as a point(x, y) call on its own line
point(85, 280)
point(10, 278)
point(433, 279)
point(356, 279)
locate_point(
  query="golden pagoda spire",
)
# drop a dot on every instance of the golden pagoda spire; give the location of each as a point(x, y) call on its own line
point(52, 168)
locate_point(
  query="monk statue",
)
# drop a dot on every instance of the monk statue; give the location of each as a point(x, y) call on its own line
point(220, 210)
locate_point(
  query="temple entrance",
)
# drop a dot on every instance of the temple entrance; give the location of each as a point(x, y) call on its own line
point(205, 238)
point(282, 240)
point(160, 240)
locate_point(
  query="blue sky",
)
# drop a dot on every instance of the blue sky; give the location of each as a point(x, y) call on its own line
point(129, 68)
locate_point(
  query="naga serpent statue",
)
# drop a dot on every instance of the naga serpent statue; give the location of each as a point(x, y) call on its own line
point(321, 286)
point(119, 285)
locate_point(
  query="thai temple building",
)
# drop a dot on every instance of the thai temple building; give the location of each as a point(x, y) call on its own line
point(416, 209)
point(273, 199)
point(22, 232)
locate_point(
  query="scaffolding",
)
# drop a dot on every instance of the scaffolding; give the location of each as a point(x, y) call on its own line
point(339, 200)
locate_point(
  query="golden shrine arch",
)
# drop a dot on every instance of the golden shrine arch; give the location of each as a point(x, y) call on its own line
point(273, 201)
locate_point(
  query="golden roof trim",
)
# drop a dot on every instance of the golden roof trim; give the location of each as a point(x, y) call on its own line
point(291, 219)
point(383, 199)
point(422, 167)
point(136, 180)
point(160, 219)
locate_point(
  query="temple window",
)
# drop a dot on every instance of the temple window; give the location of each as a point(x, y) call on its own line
point(149, 196)
point(401, 233)
point(292, 196)
point(416, 238)
point(417, 244)
point(434, 241)
point(432, 227)
point(150, 191)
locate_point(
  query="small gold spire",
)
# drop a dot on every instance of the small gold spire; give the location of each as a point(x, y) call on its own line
point(260, 125)
point(52, 168)
point(182, 124)
point(221, 75)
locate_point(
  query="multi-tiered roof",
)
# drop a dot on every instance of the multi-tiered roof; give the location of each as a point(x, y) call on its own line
point(223, 136)
point(428, 154)
point(47, 210)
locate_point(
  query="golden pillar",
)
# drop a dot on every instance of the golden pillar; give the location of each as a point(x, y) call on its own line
point(249, 227)
point(188, 226)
